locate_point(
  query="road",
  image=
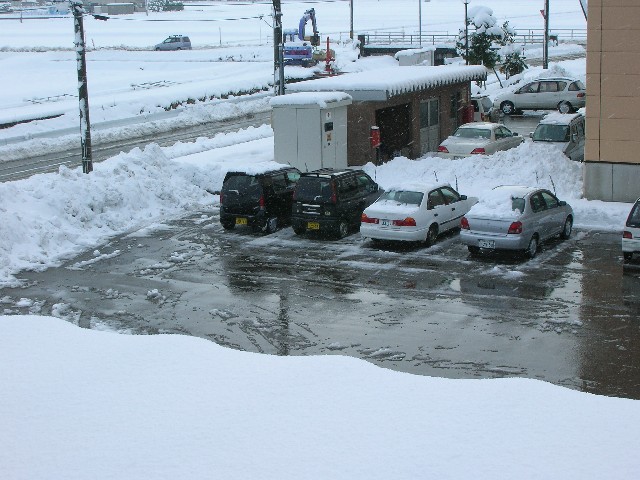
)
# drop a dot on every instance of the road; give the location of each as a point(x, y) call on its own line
point(569, 316)
point(23, 168)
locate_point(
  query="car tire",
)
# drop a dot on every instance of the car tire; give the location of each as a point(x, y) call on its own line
point(432, 235)
point(299, 230)
point(532, 249)
point(157, 49)
point(343, 229)
point(565, 107)
point(228, 225)
point(178, 48)
point(271, 225)
point(508, 108)
point(627, 256)
point(566, 230)
point(473, 250)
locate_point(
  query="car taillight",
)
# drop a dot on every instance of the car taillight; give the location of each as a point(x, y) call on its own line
point(221, 197)
point(626, 234)
point(366, 219)
point(295, 195)
point(515, 227)
point(581, 94)
point(443, 149)
point(334, 197)
point(261, 201)
point(464, 223)
point(407, 222)
point(478, 151)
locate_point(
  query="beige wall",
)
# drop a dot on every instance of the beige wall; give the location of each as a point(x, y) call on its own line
point(613, 96)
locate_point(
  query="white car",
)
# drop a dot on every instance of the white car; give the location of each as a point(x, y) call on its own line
point(415, 213)
point(565, 94)
point(631, 233)
point(478, 139)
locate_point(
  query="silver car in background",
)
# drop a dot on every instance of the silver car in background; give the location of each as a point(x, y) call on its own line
point(631, 233)
point(515, 218)
point(482, 138)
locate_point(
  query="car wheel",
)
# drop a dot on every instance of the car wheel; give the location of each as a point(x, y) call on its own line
point(566, 231)
point(627, 256)
point(432, 235)
point(532, 249)
point(473, 250)
point(228, 225)
point(299, 230)
point(271, 225)
point(178, 48)
point(565, 107)
point(507, 108)
point(343, 229)
point(157, 49)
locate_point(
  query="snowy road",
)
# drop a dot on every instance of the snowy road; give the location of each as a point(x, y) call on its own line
point(569, 316)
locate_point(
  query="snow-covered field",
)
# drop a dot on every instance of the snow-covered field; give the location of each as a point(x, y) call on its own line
point(79, 404)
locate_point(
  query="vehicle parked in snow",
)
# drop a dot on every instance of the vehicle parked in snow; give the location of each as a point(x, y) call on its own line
point(174, 42)
point(631, 233)
point(564, 94)
point(258, 199)
point(415, 213)
point(515, 218)
point(478, 139)
point(566, 130)
point(482, 108)
point(331, 201)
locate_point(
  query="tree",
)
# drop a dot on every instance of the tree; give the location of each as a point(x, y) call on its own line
point(164, 5)
point(513, 64)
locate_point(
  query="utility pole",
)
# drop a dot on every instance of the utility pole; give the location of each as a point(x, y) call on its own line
point(545, 47)
point(351, 19)
point(278, 48)
point(420, 22)
point(466, 31)
point(83, 92)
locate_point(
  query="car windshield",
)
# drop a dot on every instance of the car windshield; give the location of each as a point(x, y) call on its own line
point(517, 204)
point(551, 133)
point(472, 133)
point(634, 216)
point(314, 189)
point(403, 196)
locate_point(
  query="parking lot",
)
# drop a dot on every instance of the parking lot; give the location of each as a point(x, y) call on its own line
point(570, 316)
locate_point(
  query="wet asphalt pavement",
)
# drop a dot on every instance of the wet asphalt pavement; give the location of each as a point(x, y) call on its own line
point(571, 316)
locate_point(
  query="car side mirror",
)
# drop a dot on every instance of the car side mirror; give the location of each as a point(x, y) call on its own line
point(530, 134)
point(463, 197)
point(562, 203)
point(574, 137)
point(515, 134)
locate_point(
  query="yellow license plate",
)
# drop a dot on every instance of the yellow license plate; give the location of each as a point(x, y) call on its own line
point(241, 221)
point(313, 225)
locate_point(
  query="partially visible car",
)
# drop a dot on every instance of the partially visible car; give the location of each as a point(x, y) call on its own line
point(482, 108)
point(515, 218)
point(332, 200)
point(565, 130)
point(564, 94)
point(478, 139)
point(174, 42)
point(260, 199)
point(631, 233)
point(415, 213)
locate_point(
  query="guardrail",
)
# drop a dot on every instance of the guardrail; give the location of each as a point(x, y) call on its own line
point(522, 37)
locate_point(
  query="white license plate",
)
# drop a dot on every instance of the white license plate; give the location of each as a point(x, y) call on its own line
point(486, 244)
point(385, 223)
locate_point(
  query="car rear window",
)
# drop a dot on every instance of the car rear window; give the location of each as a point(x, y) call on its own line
point(634, 216)
point(472, 133)
point(314, 189)
point(403, 196)
point(517, 204)
point(577, 85)
point(246, 185)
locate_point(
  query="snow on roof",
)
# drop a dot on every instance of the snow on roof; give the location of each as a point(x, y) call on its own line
point(320, 99)
point(259, 168)
point(413, 51)
point(387, 82)
point(416, 186)
point(557, 118)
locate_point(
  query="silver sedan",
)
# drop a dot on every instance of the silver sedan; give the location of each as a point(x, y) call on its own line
point(483, 138)
point(515, 218)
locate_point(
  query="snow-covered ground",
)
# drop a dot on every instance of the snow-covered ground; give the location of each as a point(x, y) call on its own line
point(78, 404)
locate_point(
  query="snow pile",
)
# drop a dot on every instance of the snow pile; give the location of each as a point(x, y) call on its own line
point(498, 204)
point(170, 406)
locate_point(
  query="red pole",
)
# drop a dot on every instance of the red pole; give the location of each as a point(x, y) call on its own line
point(327, 67)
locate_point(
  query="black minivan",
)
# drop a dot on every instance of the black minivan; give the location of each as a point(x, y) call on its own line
point(331, 201)
point(261, 201)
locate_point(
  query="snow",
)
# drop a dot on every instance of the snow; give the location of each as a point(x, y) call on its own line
point(79, 403)
point(321, 99)
point(497, 203)
point(172, 406)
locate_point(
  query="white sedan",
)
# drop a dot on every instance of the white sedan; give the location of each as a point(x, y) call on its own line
point(415, 212)
point(478, 139)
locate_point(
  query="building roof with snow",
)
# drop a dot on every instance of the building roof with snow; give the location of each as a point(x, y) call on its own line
point(320, 99)
point(389, 82)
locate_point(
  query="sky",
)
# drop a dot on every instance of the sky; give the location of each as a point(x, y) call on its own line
point(77, 403)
